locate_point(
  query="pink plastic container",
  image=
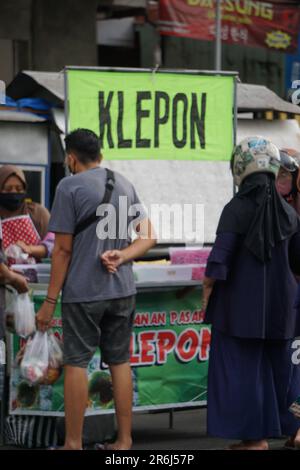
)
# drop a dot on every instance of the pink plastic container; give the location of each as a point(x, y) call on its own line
point(189, 255)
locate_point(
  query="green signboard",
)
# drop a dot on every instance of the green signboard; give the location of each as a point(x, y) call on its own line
point(154, 116)
point(169, 358)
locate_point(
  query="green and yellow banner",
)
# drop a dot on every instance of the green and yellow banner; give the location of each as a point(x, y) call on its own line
point(154, 116)
point(169, 359)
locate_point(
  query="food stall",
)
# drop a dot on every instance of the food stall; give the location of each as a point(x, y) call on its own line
point(169, 346)
point(171, 133)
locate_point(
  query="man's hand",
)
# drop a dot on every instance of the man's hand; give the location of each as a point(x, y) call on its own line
point(44, 316)
point(18, 281)
point(112, 259)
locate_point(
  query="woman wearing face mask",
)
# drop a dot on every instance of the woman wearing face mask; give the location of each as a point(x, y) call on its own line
point(286, 181)
point(13, 203)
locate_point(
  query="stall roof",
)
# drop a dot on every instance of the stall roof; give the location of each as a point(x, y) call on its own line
point(46, 85)
point(260, 98)
point(19, 116)
point(50, 85)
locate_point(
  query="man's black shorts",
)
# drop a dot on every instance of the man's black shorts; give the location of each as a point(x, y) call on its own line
point(106, 324)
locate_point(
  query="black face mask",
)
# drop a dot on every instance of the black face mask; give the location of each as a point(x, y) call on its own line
point(12, 201)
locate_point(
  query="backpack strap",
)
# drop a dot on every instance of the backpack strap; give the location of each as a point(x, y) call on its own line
point(109, 187)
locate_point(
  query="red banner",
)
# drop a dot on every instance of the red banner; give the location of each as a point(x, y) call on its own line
point(246, 22)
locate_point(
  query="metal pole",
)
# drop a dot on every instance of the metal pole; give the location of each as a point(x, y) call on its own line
point(218, 41)
point(171, 419)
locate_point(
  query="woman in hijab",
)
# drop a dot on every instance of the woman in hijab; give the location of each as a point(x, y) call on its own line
point(13, 203)
point(249, 293)
point(288, 186)
point(288, 179)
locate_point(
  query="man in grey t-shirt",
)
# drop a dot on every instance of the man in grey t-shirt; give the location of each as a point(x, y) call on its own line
point(94, 270)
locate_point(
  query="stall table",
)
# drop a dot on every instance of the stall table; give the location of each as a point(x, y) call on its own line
point(169, 357)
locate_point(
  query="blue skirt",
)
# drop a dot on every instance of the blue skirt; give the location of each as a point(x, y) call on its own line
point(251, 384)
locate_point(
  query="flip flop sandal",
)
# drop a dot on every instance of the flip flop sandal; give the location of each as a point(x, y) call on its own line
point(101, 446)
point(104, 446)
point(239, 447)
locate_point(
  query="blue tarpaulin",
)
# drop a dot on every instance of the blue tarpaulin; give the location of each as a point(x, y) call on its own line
point(37, 104)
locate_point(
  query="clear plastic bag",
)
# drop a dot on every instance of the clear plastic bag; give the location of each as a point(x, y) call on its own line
point(55, 352)
point(34, 365)
point(20, 315)
point(55, 360)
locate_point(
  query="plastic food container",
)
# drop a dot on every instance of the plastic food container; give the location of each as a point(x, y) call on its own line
point(165, 273)
point(190, 255)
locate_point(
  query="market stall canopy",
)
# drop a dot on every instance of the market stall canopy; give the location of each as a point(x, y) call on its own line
point(50, 86)
point(46, 85)
point(260, 98)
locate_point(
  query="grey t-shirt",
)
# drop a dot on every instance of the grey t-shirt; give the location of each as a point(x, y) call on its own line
point(75, 199)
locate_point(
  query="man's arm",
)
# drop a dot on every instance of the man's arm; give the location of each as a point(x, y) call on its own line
point(61, 258)
point(146, 240)
point(14, 279)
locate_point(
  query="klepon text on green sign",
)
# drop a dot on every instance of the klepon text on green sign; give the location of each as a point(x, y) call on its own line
point(182, 113)
point(162, 116)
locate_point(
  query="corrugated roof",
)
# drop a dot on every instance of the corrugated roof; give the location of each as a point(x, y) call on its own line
point(50, 85)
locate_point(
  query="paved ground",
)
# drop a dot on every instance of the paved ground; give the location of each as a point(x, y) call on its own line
point(152, 431)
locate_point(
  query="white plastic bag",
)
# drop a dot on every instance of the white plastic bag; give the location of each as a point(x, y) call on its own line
point(55, 352)
point(10, 296)
point(20, 312)
point(34, 365)
point(55, 360)
point(15, 255)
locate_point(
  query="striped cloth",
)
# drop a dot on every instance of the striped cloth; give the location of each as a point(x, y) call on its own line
point(30, 431)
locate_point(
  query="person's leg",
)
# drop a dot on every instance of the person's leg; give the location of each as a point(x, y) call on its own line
point(76, 397)
point(116, 329)
point(122, 391)
point(81, 337)
point(237, 376)
point(297, 439)
point(250, 445)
